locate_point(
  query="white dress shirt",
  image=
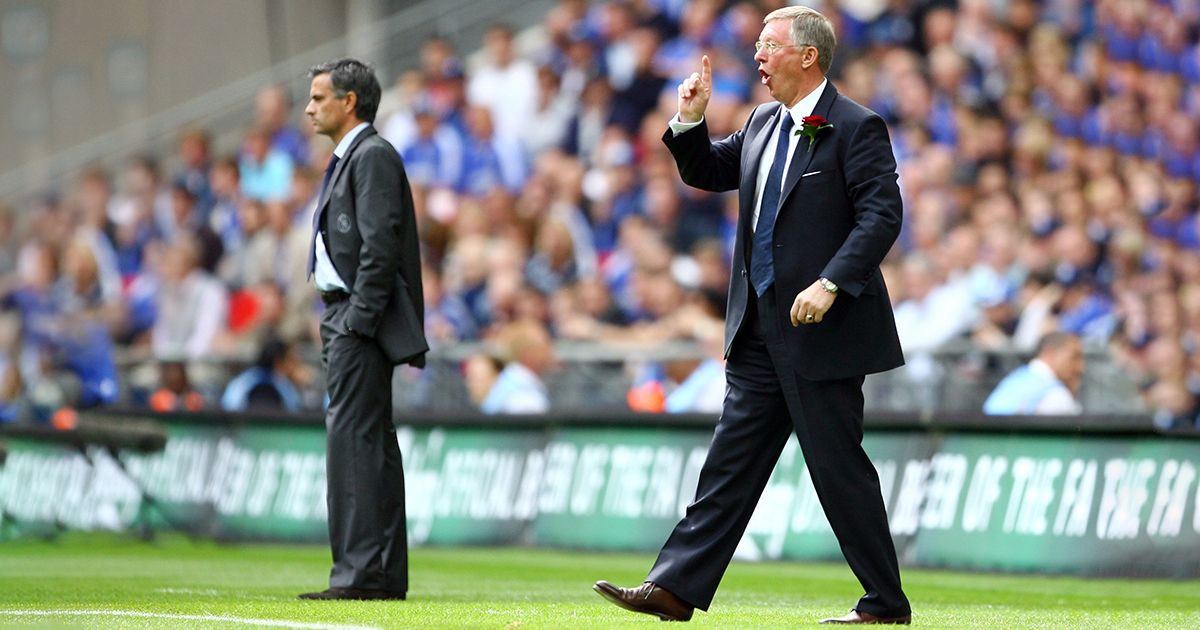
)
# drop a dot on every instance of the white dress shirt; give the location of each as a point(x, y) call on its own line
point(799, 112)
point(325, 276)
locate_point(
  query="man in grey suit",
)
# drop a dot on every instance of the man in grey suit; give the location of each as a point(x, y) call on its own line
point(365, 261)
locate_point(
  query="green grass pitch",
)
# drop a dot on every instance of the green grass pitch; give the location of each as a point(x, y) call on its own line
point(102, 581)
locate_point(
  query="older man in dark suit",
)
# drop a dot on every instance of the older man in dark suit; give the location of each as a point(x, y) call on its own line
point(365, 261)
point(808, 318)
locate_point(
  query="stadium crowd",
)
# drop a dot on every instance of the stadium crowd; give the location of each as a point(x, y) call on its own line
point(1048, 156)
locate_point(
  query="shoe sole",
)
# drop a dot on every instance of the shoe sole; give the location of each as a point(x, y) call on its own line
point(314, 597)
point(877, 622)
point(616, 599)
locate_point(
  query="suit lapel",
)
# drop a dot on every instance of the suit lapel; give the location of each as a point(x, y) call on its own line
point(341, 165)
point(319, 211)
point(758, 144)
point(750, 166)
point(804, 154)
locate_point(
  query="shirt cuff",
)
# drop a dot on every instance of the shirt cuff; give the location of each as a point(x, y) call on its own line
point(677, 126)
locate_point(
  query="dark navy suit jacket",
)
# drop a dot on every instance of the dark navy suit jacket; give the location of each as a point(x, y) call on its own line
point(839, 214)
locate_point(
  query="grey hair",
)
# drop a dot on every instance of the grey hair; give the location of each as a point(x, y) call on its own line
point(809, 28)
point(351, 75)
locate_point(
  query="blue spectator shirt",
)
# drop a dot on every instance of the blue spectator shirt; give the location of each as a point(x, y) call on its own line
point(1031, 389)
point(269, 181)
point(516, 390)
point(238, 390)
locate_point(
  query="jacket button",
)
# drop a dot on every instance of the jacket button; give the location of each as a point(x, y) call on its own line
point(778, 244)
point(743, 273)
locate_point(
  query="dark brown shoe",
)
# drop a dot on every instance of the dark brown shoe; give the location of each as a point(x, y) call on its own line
point(335, 592)
point(861, 617)
point(648, 598)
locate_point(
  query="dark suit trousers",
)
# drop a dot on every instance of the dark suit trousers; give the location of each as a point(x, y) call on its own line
point(765, 401)
point(362, 461)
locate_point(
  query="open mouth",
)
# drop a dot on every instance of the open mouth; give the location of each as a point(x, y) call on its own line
point(764, 77)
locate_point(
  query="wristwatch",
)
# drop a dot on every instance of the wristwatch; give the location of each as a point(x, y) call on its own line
point(828, 285)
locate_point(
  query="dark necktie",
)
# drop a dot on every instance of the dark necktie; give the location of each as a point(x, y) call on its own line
point(333, 161)
point(762, 264)
point(318, 214)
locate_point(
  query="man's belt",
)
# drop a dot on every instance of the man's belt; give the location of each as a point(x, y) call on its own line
point(333, 297)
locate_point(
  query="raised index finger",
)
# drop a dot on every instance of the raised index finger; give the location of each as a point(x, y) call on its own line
point(705, 71)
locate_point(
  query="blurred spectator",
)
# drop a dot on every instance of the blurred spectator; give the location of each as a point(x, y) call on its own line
point(272, 383)
point(84, 366)
point(551, 114)
point(191, 307)
point(592, 116)
point(225, 185)
point(33, 296)
point(576, 60)
point(272, 110)
point(639, 87)
point(66, 353)
point(265, 171)
point(175, 392)
point(994, 281)
point(1047, 385)
point(185, 220)
point(95, 227)
point(930, 313)
point(398, 126)
point(479, 373)
point(141, 298)
point(297, 323)
point(701, 386)
point(528, 355)
point(504, 83)
point(193, 173)
point(237, 267)
point(433, 155)
point(81, 292)
point(491, 160)
point(677, 57)
point(447, 316)
point(444, 80)
point(255, 313)
point(139, 213)
point(553, 264)
point(279, 249)
point(11, 385)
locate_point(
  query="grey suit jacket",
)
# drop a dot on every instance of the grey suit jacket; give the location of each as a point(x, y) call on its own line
point(368, 216)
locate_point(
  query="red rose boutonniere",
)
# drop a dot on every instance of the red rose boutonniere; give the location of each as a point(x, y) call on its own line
point(810, 126)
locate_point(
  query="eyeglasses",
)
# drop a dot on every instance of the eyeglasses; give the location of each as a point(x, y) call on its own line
point(771, 47)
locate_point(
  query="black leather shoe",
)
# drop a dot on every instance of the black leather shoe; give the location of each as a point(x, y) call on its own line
point(648, 598)
point(335, 592)
point(856, 617)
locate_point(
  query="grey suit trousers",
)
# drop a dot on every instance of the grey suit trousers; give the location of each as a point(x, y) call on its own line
point(367, 530)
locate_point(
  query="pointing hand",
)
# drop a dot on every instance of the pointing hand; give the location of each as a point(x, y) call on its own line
point(694, 93)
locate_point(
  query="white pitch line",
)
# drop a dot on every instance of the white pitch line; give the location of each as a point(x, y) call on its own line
point(276, 623)
point(210, 592)
point(188, 591)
